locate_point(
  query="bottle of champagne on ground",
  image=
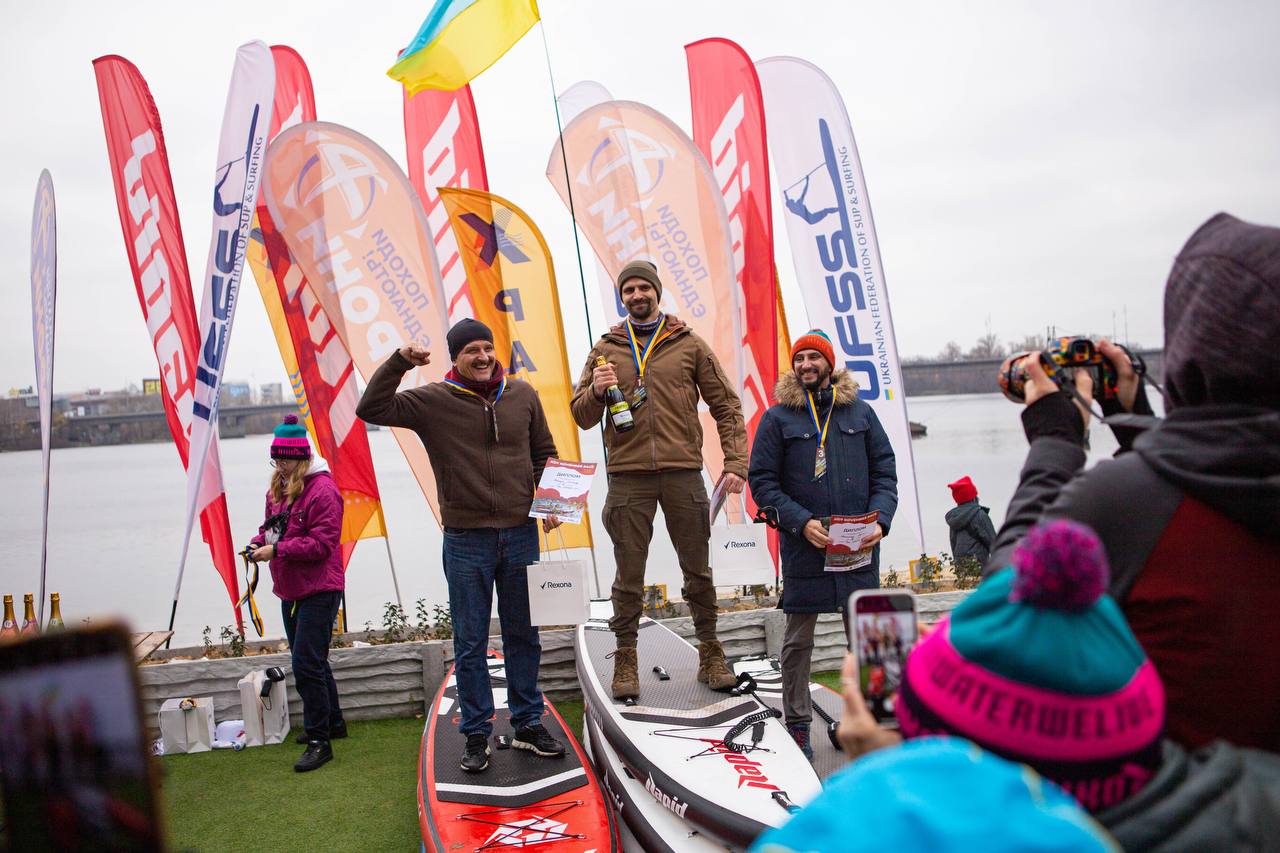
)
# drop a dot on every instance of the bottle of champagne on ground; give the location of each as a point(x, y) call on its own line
point(30, 626)
point(55, 613)
point(9, 630)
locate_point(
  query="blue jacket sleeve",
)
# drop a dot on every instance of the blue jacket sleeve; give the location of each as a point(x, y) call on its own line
point(765, 476)
point(882, 468)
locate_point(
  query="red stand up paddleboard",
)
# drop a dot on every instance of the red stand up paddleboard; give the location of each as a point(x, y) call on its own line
point(521, 800)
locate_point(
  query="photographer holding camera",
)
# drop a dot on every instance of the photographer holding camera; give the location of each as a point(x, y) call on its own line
point(301, 537)
point(1190, 518)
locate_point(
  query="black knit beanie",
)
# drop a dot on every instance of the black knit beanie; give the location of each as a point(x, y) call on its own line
point(464, 332)
point(1222, 317)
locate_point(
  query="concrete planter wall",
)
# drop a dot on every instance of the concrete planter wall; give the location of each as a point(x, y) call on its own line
point(400, 679)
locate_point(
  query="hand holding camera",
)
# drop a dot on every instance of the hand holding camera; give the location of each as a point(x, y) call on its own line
point(1115, 371)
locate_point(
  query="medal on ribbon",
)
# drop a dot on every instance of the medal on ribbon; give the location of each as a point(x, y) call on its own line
point(820, 458)
point(641, 357)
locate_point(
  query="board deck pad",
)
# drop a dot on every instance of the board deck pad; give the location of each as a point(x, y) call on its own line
point(520, 800)
point(682, 692)
point(826, 758)
point(515, 777)
point(673, 739)
point(651, 825)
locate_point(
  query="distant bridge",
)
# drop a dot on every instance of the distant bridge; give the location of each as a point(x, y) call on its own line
point(134, 427)
point(978, 376)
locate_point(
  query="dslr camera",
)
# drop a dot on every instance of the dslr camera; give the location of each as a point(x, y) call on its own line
point(1060, 359)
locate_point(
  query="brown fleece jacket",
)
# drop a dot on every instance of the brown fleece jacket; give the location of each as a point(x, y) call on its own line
point(480, 482)
point(668, 434)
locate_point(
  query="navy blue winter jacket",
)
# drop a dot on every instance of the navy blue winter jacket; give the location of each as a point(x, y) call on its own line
point(861, 477)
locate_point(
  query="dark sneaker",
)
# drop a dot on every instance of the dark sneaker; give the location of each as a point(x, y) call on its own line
point(318, 752)
point(537, 740)
point(334, 734)
point(800, 734)
point(476, 756)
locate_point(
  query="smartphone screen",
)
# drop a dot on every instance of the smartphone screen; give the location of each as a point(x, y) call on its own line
point(884, 632)
point(76, 771)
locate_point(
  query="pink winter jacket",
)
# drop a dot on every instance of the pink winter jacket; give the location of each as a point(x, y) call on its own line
point(308, 556)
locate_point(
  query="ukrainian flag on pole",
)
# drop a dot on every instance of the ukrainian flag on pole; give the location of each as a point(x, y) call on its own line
point(459, 40)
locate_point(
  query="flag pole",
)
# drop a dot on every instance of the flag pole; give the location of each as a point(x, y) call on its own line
point(568, 184)
point(577, 246)
point(386, 538)
point(192, 509)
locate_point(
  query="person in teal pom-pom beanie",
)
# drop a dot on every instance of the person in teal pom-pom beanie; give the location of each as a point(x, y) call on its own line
point(937, 794)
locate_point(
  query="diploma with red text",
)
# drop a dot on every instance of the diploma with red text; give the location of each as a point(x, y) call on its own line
point(844, 551)
point(562, 491)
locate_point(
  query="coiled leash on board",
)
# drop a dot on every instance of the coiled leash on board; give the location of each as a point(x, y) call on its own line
point(251, 586)
point(832, 723)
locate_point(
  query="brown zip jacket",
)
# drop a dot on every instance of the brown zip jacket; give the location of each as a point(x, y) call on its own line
point(668, 434)
point(480, 482)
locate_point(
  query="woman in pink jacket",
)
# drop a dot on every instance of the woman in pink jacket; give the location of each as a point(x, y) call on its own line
point(301, 539)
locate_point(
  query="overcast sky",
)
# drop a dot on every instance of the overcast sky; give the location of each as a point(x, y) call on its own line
point(1028, 163)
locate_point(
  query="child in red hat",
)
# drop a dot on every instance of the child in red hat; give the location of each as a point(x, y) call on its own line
point(971, 529)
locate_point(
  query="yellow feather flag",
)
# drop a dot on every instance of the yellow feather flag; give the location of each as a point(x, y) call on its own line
point(784, 334)
point(513, 286)
point(459, 40)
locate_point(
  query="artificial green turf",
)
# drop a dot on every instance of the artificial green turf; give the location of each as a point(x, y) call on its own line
point(365, 799)
point(830, 679)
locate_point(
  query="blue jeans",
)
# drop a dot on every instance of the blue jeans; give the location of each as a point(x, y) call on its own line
point(308, 623)
point(475, 560)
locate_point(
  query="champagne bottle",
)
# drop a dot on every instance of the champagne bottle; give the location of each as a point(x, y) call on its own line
point(9, 628)
point(29, 624)
point(55, 612)
point(619, 408)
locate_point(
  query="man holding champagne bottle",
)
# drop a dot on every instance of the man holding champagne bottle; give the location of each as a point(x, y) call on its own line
point(646, 374)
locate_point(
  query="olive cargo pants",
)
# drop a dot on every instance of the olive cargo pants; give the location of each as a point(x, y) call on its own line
point(628, 516)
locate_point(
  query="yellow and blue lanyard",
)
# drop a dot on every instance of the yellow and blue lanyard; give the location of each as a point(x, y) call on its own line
point(641, 354)
point(820, 459)
point(641, 357)
point(490, 407)
point(251, 586)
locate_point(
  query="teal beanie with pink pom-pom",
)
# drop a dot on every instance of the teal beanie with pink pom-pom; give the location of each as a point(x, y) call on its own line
point(1038, 665)
point(290, 440)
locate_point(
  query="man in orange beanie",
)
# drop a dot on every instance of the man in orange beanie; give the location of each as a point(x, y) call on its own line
point(820, 451)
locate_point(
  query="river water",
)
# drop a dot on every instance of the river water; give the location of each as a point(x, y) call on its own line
point(115, 520)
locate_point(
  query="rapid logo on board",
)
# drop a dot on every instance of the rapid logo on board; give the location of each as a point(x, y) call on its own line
point(670, 803)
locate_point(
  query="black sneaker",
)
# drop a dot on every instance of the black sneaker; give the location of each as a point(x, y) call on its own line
point(536, 739)
point(476, 757)
point(334, 734)
point(318, 752)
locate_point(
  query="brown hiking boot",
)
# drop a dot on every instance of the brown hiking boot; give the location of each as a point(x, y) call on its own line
point(626, 680)
point(712, 670)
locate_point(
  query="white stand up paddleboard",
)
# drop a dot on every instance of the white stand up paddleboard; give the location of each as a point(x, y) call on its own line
point(648, 825)
point(722, 762)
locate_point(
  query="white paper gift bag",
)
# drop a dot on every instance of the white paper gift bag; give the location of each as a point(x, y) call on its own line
point(558, 591)
point(266, 718)
point(186, 725)
point(740, 554)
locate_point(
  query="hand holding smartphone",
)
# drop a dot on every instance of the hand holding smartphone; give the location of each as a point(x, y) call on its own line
point(883, 631)
point(77, 771)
